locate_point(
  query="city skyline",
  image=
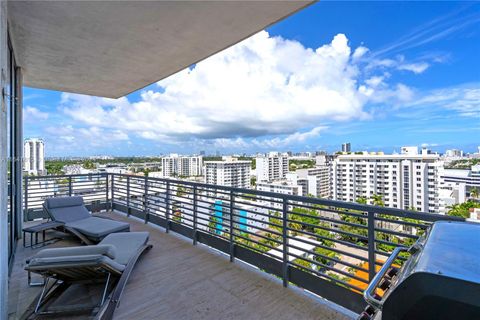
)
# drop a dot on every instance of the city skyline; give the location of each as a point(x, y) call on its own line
point(414, 83)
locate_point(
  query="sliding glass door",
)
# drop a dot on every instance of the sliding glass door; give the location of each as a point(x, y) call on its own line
point(14, 151)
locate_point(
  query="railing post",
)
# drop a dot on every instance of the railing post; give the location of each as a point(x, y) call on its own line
point(106, 192)
point(70, 190)
point(128, 196)
point(112, 187)
point(146, 200)
point(194, 215)
point(25, 212)
point(232, 243)
point(371, 245)
point(167, 207)
point(285, 241)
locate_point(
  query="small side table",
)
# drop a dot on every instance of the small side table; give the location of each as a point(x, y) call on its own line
point(35, 230)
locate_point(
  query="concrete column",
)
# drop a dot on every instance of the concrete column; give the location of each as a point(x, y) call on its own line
point(3, 165)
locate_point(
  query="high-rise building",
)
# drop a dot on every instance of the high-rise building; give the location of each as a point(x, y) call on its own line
point(346, 147)
point(404, 181)
point(175, 165)
point(271, 166)
point(454, 153)
point(34, 156)
point(229, 172)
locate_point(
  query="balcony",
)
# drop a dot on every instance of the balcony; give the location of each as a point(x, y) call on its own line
point(317, 249)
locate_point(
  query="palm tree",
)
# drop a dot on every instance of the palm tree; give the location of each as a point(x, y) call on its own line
point(377, 200)
point(474, 193)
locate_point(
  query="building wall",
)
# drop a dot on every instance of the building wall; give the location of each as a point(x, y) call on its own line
point(228, 173)
point(281, 187)
point(272, 166)
point(404, 181)
point(34, 156)
point(182, 166)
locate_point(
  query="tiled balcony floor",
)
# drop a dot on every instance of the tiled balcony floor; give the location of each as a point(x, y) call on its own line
point(176, 280)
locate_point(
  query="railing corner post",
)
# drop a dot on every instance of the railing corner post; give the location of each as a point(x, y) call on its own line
point(70, 187)
point(285, 266)
point(25, 212)
point(128, 196)
point(167, 207)
point(112, 187)
point(232, 241)
point(194, 236)
point(371, 246)
point(106, 192)
point(145, 198)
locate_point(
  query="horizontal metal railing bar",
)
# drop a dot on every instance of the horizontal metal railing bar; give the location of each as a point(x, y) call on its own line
point(325, 267)
point(258, 235)
point(354, 235)
point(356, 225)
point(258, 205)
point(403, 222)
point(277, 199)
point(355, 256)
point(396, 233)
point(258, 220)
point(344, 242)
point(324, 275)
point(328, 258)
point(263, 244)
point(314, 206)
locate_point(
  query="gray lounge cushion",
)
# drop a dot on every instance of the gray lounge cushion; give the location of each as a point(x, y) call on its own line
point(105, 249)
point(97, 228)
point(60, 202)
point(74, 262)
point(66, 209)
point(113, 253)
point(127, 244)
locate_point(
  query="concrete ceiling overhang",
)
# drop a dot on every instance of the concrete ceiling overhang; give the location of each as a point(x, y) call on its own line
point(112, 48)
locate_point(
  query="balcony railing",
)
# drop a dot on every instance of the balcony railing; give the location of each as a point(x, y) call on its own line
point(330, 248)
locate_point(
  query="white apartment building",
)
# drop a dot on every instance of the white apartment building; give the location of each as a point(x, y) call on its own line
point(34, 156)
point(279, 186)
point(271, 166)
point(314, 181)
point(176, 165)
point(461, 180)
point(230, 172)
point(404, 181)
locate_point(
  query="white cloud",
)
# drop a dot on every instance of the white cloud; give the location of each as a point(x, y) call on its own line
point(296, 138)
point(32, 114)
point(83, 139)
point(400, 63)
point(414, 67)
point(260, 87)
point(465, 100)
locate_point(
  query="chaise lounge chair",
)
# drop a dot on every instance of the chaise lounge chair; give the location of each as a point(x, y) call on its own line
point(72, 212)
point(109, 262)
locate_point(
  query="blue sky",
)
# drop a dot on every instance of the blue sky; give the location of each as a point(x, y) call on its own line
point(377, 74)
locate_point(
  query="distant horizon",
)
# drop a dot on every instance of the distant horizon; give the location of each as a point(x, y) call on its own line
point(207, 154)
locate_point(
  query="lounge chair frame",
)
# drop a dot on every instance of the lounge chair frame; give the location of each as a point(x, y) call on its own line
point(109, 301)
